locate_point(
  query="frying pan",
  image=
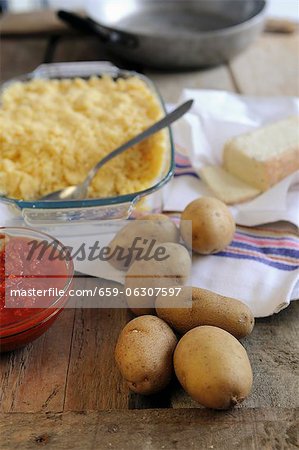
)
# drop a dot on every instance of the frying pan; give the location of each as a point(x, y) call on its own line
point(173, 34)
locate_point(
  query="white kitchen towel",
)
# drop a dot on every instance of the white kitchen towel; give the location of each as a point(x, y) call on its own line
point(200, 136)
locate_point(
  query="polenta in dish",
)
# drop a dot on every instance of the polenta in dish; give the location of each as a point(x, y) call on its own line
point(53, 131)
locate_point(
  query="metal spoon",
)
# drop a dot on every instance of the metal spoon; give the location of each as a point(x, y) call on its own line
point(80, 191)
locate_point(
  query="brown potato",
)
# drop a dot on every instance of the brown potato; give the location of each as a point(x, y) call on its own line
point(213, 367)
point(194, 307)
point(144, 278)
point(148, 229)
point(144, 354)
point(213, 225)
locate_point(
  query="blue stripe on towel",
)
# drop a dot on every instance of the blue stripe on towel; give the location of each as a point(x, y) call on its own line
point(269, 262)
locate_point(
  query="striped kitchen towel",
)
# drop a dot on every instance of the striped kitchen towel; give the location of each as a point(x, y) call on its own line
point(183, 165)
point(261, 265)
point(271, 247)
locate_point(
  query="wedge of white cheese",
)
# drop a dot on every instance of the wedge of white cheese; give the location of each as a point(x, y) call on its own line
point(227, 187)
point(264, 156)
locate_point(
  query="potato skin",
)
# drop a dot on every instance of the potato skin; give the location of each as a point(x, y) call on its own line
point(206, 308)
point(154, 216)
point(172, 272)
point(150, 227)
point(213, 367)
point(213, 225)
point(144, 354)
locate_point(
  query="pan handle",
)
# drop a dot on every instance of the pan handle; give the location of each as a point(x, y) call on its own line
point(107, 35)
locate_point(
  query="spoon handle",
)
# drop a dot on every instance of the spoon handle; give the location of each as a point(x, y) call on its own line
point(167, 120)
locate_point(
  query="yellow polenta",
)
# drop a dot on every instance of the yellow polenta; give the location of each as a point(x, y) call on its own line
point(53, 131)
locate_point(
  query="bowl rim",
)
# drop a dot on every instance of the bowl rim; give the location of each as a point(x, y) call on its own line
point(256, 16)
point(130, 198)
point(46, 319)
point(44, 315)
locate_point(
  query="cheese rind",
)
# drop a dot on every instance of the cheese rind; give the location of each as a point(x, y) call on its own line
point(265, 156)
point(227, 187)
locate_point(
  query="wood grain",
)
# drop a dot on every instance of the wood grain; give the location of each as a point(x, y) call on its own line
point(153, 429)
point(33, 378)
point(24, 24)
point(87, 48)
point(94, 382)
point(172, 84)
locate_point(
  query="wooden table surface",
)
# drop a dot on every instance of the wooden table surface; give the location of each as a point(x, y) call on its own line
point(63, 391)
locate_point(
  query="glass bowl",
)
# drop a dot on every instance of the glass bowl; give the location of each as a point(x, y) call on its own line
point(21, 325)
point(119, 207)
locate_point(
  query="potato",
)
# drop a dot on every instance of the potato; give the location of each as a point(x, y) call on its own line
point(194, 307)
point(213, 226)
point(144, 278)
point(213, 367)
point(144, 354)
point(154, 216)
point(152, 228)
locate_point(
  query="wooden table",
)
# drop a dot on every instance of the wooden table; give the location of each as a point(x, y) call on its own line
point(63, 391)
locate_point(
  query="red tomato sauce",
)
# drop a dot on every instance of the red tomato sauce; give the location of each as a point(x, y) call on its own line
point(19, 272)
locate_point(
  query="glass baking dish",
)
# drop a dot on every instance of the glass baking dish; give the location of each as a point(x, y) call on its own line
point(119, 207)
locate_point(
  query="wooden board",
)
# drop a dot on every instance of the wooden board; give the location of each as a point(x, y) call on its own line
point(23, 24)
point(93, 381)
point(75, 367)
point(34, 378)
point(57, 391)
point(172, 84)
point(18, 58)
point(153, 429)
point(86, 49)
